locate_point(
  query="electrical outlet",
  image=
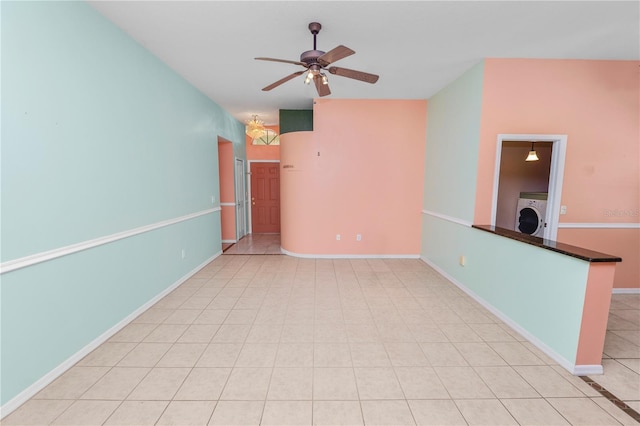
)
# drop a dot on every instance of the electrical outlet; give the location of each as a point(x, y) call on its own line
point(337, 237)
point(358, 237)
point(563, 209)
point(463, 260)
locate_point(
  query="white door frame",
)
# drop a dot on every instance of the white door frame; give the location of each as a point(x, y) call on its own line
point(241, 198)
point(250, 196)
point(556, 176)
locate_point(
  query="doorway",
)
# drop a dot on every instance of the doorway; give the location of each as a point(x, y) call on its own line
point(241, 199)
point(513, 175)
point(265, 197)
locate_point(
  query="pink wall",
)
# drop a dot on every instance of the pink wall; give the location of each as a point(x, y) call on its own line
point(263, 152)
point(359, 172)
point(596, 104)
point(227, 192)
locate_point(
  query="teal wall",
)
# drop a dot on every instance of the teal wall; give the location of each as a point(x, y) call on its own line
point(451, 155)
point(98, 137)
point(295, 120)
point(539, 290)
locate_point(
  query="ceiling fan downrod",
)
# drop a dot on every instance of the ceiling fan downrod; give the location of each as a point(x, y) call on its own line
point(314, 27)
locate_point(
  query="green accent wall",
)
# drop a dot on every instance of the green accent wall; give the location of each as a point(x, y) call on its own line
point(98, 137)
point(296, 120)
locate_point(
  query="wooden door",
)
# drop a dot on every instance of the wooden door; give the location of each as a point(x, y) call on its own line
point(265, 198)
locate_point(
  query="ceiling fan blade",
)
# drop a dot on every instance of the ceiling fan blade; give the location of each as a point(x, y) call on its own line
point(358, 75)
point(335, 55)
point(323, 89)
point(282, 60)
point(283, 80)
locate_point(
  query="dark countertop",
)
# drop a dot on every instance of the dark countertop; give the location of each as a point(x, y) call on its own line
point(569, 250)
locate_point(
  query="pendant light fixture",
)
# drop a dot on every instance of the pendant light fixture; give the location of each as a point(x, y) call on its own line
point(533, 156)
point(255, 128)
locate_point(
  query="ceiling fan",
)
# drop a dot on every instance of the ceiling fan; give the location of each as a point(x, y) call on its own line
point(316, 62)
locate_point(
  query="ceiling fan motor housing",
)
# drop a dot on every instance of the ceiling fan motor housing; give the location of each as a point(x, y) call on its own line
point(311, 56)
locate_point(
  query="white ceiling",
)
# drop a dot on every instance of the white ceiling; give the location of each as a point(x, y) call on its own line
point(417, 47)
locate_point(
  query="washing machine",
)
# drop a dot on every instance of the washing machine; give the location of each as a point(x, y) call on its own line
point(530, 214)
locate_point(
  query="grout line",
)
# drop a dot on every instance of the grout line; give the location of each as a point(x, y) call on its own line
point(612, 398)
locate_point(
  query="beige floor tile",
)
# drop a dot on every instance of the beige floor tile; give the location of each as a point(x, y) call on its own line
point(137, 413)
point(199, 333)
point(219, 355)
point(378, 383)
point(582, 411)
point(297, 315)
point(618, 377)
point(395, 332)
point(369, 355)
point(436, 413)
point(241, 316)
point(460, 333)
point(387, 413)
point(166, 333)
point(576, 381)
point(443, 354)
point(73, 383)
point(203, 384)
point(231, 333)
point(492, 333)
point(463, 382)
point(187, 413)
point(182, 355)
point(479, 354)
point(547, 382)
point(362, 333)
point(619, 347)
point(212, 316)
point(291, 384)
point(334, 384)
point(161, 384)
point(37, 412)
point(331, 355)
point(257, 355)
point(264, 333)
point(116, 384)
point(287, 413)
point(145, 355)
point(428, 333)
point(85, 413)
point(133, 333)
point(297, 333)
point(632, 364)
point(515, 353)
point(107, 354)
point(533, 412)
point(334, 413)
point(420, 383)
point(358, 316)
point(295, 355)
point(485, 412)
point(183, 316)
point(505, 382)
point(247, 384)
point(330, 333)
point(222, 302)
point(237, 413)
point(616, 412)
point(196, 302)
point(406, 354)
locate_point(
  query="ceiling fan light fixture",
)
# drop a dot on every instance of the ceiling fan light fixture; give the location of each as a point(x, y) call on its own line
point(309, 77)
point(533, 156)
point(325, 80)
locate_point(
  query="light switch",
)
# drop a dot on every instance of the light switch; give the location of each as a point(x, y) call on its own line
point(563, 209)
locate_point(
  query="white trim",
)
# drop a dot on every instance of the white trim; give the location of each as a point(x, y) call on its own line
point(626, 291)
point(350, 256)
point(23, 262)
point(572, 368)
point(227, 204)
point(447, 218)
point(229, 241)
point(36, 387)
point(599, 225)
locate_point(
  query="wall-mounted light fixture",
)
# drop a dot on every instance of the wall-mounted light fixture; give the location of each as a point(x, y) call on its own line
point(533, 156)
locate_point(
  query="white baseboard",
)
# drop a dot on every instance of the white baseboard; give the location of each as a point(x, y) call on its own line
point(229, 241)
point(578, 370)
point(36, 387)
point(350, 256)
point(626, 291)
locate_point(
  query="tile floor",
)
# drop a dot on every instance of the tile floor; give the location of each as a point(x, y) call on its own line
point(255, 244)
point(276, 340)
